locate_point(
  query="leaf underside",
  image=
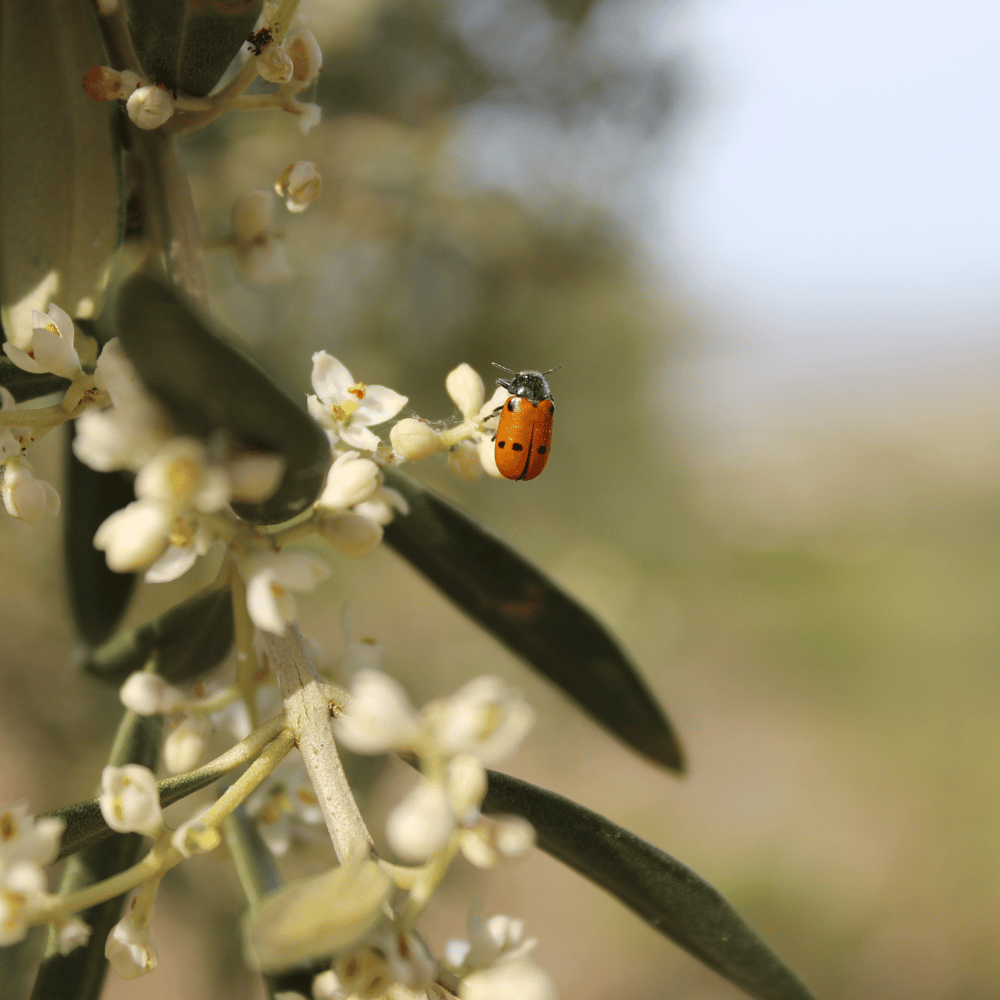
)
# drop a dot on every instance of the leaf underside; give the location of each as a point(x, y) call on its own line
point(528, 613)
point(658, 888)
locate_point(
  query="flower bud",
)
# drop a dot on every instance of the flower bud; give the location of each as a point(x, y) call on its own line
point(299, 184)
point(421, 824)
point(353, 534)
point(183, 748)
point(130, 800)
point(413, 439)
point(463, 460)
point(72, 934)
point(466, 786)
point(150, 106)
point(149, 694)
point(351, 480)
point(466, 389)
point(488, 457)
point(130, 948)
point(102, 83)
point(306, 56)
point(274, 64)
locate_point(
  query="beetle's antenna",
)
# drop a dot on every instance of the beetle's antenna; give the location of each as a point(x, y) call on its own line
point(551, 370)
point(504, 368)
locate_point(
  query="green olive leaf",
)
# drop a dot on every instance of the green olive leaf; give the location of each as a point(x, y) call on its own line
point(61, 191)
point(665, 893)
point(498, 588)
point(186, 641)
point(187, 45)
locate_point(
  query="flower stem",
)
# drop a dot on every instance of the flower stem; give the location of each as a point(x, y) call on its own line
point(307, 709)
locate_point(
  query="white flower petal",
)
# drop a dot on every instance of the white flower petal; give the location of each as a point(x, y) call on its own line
point(23, 361)
point(351, 532)
point(330, 378)
point(172, 565)
point(129, 799)
point(350, 480)
point(379, 717)
point(379, 404)
point(130, 949)
point(149, 694)
point(519, 978)
point(421, 824)
point(134, 537)
point(358, 436)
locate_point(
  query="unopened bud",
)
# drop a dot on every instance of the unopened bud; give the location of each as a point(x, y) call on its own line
point(299, 184)
point(466, 389)
point(413, 439)
point(463, 460)
point(149, 107)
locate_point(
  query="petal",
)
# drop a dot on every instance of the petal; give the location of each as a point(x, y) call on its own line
point(421, 824)
point(172, 565)
point(380, 404)
point(23, 361)
point(330, 378)
point(57, 318)
point(358, 436)
point(262, 604)
point(320, 412)
point(55, 354)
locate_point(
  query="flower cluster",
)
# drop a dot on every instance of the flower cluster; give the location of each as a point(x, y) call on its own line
point(454, 738)
point(27, 845)
point(181, 486)
point(469, 443)
point(51, 350)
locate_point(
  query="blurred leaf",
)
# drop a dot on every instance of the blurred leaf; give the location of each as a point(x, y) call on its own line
point(207, 384)
point(98, 595)
point(188, 45)
point(24, 385)
point(259, 876)
point(85, 825)
point(61, 215)
point(527, 612)
point(188, 640)
point(80, 974)
point(665, 893)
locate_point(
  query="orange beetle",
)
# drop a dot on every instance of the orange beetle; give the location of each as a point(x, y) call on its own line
point(524, 436)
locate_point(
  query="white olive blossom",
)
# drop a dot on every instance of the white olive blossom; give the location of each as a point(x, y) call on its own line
point(183, 747)
point(498, 938)
point(486, 718)
point(130, 800)
point(300, 184)
point(193, 837)
point(464, 461)
point(52, 345)
point(22, 895)
point(380, 717)
point(351, 480)
point(270, 577)
point(27, 845)
point(309, 116)
point(422, 824)
point(381, 507)
point(129, 948)
point(346, 409)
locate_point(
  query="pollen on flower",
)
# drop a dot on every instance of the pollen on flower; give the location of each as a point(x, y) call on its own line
point(358, 389)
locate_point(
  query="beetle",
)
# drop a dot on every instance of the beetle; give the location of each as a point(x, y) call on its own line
point(524, 436)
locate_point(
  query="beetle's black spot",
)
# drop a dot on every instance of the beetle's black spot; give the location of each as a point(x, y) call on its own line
point(541, 449)
point(500, 444)
point(517, 446)
point(510, 404)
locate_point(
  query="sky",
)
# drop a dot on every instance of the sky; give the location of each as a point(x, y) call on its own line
point(840, 183)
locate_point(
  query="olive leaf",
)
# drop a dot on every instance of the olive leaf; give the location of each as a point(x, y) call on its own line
point(98, 595)
point(61, 199)
point(662, 891)
point(209, 385)
point(528, 613)
point(188, 640)
point(188, 46)
point(24, 386)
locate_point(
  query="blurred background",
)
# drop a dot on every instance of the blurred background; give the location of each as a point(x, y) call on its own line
point(762, 241)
